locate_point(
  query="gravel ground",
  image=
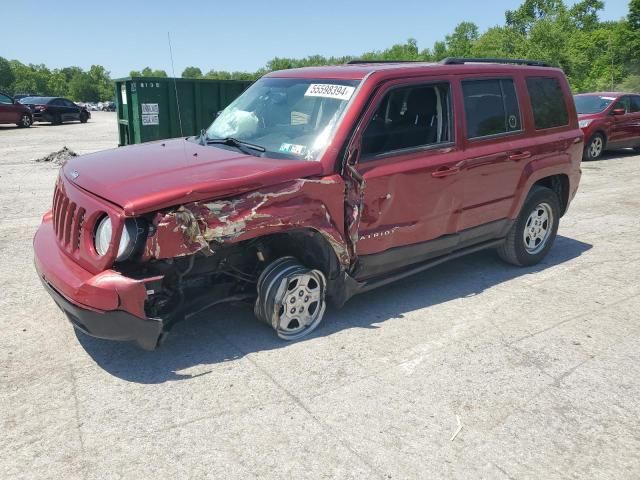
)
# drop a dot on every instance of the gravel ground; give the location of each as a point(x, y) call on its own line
point(539, 365)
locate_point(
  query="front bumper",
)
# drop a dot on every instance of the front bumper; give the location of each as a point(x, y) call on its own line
point(113, 325)
point(105, 305)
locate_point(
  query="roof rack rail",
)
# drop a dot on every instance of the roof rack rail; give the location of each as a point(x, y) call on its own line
point(514, 61)
point(360, 61)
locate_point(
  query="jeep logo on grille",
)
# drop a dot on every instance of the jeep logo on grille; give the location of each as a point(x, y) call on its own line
point(74, 174)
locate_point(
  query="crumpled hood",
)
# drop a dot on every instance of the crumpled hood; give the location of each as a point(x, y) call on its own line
point(148, 177)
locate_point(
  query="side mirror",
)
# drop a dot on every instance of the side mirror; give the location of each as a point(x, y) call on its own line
point(618, 111)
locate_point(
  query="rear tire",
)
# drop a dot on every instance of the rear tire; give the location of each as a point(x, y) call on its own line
point(291, 298)
point(25, 121)
point(57, 119)
point(594, 148)
point(532, 235)
point(637, 149)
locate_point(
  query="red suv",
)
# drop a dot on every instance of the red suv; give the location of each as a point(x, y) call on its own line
point(314, 185)
point(609, 120)
point(13, 112)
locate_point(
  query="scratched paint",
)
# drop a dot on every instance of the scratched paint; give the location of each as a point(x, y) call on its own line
point(205, 226)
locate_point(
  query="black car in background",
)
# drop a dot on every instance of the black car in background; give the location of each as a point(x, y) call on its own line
point(55, 110)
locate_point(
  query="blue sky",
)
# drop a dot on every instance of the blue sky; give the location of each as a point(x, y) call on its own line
point(231, 35)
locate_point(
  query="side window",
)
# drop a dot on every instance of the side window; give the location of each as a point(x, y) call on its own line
point(547, 102)
point(5, 100)
point(624, 102)
point(635, 103)
point(68, 103)
point(490, 107)
point(409, 117)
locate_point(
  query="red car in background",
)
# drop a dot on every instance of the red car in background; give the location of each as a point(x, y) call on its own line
point(13, 112)
point(609, 120)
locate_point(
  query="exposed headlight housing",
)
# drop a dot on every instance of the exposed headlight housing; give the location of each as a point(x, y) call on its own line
point(128, 238)
point(584, 123)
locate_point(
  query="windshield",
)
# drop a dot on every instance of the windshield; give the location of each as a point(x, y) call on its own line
point(592, 103)
point(291, 118)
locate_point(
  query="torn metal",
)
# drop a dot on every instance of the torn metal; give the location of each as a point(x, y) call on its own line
point(205, 226)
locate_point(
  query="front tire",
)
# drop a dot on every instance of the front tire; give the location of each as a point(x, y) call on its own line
point(291, 298)
point(594, 148)
point(25, 121)
point(535, 229)
point(84, 118)
point(57, 119)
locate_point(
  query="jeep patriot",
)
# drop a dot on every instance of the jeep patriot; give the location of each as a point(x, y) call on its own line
point(314, 185)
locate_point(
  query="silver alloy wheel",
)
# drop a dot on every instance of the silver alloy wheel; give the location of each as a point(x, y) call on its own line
point(538, 228)
point(26, 121)
point(291, 298)
point(595, 149)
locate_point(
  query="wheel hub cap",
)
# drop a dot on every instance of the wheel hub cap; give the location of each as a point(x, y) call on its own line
point(538, 228)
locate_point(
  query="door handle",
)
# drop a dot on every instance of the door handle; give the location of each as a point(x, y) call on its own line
point(445, 172)
point(516, 157)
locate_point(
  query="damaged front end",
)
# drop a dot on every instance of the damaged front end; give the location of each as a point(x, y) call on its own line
point(201, 254)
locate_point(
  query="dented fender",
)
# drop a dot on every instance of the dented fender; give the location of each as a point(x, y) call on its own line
point(316, 204)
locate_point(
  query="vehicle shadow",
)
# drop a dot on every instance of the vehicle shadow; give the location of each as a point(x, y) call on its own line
point(230, 332)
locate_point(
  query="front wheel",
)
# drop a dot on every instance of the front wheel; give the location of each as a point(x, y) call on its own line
point(57, 119)
point(84, 117)
point(291, 298)
point(594, 148)
point(25, 121)
point(637, 149)
point(535, 229)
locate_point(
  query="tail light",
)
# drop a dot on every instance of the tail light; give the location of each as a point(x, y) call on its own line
point(41, 108)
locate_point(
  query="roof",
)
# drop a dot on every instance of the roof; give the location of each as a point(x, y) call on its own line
point(607, 94)
point(361, 70)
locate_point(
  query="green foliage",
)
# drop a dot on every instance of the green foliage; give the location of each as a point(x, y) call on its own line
point(6, 75)
point(192, 72)
point(595, 55)
point(148, 72)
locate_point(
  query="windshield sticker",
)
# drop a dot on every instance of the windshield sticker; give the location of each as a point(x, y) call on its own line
point(339, 92)
point(292, 148)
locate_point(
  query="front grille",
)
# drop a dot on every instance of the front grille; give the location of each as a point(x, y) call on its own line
point(68, 219)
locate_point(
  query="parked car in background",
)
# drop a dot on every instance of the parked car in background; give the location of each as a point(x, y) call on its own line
point(609, 120)
point(55, 110)
point(312, 186)
point(12, 111)
point(109, 107)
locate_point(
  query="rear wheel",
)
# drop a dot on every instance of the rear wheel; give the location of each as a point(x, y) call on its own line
point(637, 149)
point(594, 148)
point(291, 298)
point(534, 232)
point(25, 121)
point(57, 119)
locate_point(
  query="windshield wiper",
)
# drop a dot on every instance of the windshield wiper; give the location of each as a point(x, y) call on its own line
point(234, 142)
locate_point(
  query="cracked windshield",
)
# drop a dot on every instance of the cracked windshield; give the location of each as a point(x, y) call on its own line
point(283, 117)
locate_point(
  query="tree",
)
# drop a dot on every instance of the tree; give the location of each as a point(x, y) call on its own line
point(6, 75)
point(192, 72)
point(460, 42)
point(148, 72)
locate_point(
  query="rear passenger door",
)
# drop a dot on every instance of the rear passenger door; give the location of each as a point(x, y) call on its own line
point(412, 184)
point(495, 151)
point(72, 110)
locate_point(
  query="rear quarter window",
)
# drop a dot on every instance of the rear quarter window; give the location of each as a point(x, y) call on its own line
point(547, 102)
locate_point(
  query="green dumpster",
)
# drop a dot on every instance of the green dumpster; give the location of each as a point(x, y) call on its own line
point(147, 108)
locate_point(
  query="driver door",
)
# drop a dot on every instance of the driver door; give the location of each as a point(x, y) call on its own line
point(409, 176)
